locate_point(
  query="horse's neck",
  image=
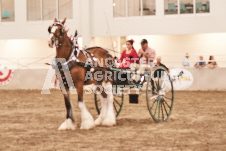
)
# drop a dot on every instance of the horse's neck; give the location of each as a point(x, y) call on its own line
point(63, 51)
point(65, 40)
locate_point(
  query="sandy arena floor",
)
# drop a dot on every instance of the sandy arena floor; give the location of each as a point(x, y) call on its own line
point(29, 121)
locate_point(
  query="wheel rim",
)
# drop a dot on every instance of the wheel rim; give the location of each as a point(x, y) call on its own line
point(117, 103)
point(160, 97)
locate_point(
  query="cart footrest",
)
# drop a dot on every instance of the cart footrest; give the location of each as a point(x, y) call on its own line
point(133, 98)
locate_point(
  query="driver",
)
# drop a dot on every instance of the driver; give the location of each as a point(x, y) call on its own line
point(146, 59)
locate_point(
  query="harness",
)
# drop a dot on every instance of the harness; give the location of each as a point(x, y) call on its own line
point(75, 51)
point(73, 58)
point(89, 65)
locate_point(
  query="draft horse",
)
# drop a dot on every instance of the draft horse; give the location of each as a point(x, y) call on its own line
point(58, 37)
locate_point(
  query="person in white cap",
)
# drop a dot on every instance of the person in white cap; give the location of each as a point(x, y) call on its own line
point(186, 60)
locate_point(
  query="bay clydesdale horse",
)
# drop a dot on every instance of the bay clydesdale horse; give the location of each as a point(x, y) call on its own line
point(58, 37)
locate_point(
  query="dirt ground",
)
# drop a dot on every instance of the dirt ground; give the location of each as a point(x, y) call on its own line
point(29, 121)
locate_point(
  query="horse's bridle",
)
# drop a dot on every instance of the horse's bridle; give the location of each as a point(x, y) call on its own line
point(62, 30)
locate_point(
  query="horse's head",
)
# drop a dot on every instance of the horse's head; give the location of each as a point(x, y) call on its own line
point(56, 31)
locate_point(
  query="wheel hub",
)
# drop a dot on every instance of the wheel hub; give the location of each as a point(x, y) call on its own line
point(161, 93)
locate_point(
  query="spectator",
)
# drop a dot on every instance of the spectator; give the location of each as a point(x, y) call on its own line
point(212, 63)
point(129, 55)
point(159, 63)
point(186, 61)
point(200, 63)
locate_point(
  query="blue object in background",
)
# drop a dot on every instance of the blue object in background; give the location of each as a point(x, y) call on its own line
point(6, 14)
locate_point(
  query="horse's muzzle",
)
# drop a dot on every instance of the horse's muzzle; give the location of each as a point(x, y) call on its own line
point(51, 43)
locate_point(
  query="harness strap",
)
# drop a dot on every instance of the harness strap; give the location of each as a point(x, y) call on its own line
point(89, 62)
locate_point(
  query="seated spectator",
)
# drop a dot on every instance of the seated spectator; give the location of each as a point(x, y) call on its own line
point(160, 72)
point(186, 61)
point(129, 55)
point(212, 63)
point(159, 63)
point(201, 63)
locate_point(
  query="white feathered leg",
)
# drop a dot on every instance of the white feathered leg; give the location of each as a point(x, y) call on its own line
point(67, 125)
point(109, 119)
point(103, 111)
point(87, 119)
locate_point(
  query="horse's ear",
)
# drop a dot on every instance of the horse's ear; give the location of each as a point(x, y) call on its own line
point(63, 21)
point(76, 34)
point(49, 29)
point(55, 20)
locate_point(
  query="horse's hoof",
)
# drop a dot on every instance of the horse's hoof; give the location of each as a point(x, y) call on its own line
point(87, 124)
point(98, 121)
point(109, 121)
point(67, 125)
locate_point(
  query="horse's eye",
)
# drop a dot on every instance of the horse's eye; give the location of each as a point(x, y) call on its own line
point(49, 29)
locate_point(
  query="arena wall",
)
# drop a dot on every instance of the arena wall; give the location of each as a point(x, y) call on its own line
point(95, 19)
point(172, 48)
point(204, 79)
point(103, 23)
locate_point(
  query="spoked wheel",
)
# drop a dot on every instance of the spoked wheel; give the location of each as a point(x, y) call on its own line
point(117, 103)
point(160, 94)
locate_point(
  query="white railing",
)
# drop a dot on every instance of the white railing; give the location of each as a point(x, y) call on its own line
point(176, 60)
point(171, 61)
point(26, 62)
